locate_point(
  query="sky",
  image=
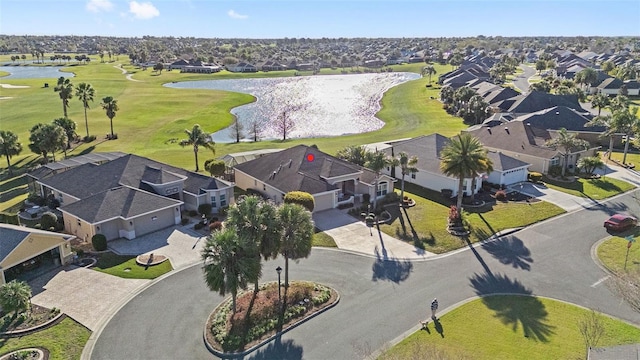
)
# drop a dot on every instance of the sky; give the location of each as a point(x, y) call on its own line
point(261, 19)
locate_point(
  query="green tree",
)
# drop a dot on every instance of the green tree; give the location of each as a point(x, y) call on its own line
point(10, 146)
point(15, 296)
point(85, 93)
point(542, 86)
point(600, 101)
point(541, 65)
point(620, 102)
point(456, 60)
point(463, 157)
point(215, 167)
point(296, 235)
point(428, 71)
point(477, 108)
point(587, 77)
point(355, 154)
point(47, 138)
point(158, 67)
point(376, 162)
point(301, 198)
point(228, 266)
point(627, 122)
point(447, 94)
point(589, 164)
point(64, 88)
point(407, 166)
point(567, 143)
point(110, 106)
point(198, 138)
point(69, 127)
point(606, 121)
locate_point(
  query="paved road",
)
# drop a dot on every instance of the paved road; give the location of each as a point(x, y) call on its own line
point(521, 82)
point(382, 300)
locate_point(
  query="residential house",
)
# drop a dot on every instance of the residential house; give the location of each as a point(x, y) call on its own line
point(242, 67)
point(178, 64)
point(536, 101)
point(273, 65)
point(202, 68)
point(129, 196)
point(23, 248)
point(331, 181)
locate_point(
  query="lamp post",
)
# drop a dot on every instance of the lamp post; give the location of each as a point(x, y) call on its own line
point(279, 270)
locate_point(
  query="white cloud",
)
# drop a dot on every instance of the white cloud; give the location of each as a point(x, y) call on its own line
point(234, 15)
point(144, 10)
point(99, 5)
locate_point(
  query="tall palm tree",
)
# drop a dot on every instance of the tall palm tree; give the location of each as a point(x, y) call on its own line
point(197, 138)
point(568, 143)
point(600, 101)
point(478, 108)
point(85, 93)
point(296, 235)
point(463, 158)
point(69, 127)
point(377, 161)
point(447, 94)
point(110, 106)
point(64, 88)
point(428, 70)
point(586, 76)
point(228, 267)
point(627, 122)
point(407, 166)
point(9, 146)
point(607, 122)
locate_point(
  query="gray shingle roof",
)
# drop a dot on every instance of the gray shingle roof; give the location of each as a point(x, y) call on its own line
point(10, 238)
point(536, 101)
point(559, 117)
point(516, 136)
point(502, 162)
point(427, 148)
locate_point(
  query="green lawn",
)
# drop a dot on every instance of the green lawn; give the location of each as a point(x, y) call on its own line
point(322, 239)
point(64, 340)
point(631, 158)
point(591, 188)
point(429, 220)
point(613, 253)
point(510, 327)
point(113, 264)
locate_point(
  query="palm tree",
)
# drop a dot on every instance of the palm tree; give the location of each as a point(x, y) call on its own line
point(478, 108)
point(296, 235)
point(9, 146)
point(463, 158)
point(428, 70)
point(197, 138)
point(228, 267)
point(447, 94)
point(85, 93)
point(463, 95)
point(567, 142)
point(620, 102)
point(15, 296)
point(627, 122)
point(589, 164)
point(599, 101)
point(586, 76)
point(606, 121)
point(376, 161)
point(110, 106)
point(355, 154)
point(69, 127)
point(64, 88)
point(407, 166)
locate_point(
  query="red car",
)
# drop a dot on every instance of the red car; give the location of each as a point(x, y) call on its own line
point(620, 222)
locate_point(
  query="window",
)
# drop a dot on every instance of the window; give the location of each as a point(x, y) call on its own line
point(79, 224)
point(223, 200)
point(213, 201)
point(382, 189)
point(264, 187)
point(555, 161)
point(413, 175)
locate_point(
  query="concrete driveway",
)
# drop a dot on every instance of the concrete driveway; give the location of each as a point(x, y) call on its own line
point(563, 200)
point(88, 296)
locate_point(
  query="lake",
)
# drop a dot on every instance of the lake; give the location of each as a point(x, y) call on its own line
point(34, 72)
point(324, 105)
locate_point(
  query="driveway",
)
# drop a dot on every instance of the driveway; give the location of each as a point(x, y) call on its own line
point(88, 296)
point(558, 198)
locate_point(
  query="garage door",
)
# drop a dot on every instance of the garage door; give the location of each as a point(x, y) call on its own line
point(153, 222)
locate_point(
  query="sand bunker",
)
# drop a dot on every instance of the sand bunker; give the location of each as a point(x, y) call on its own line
point(5, 97)
point(9, 86)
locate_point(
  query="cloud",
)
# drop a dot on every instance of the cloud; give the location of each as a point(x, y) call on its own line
point(144, 10)
point(99, 5)
point(234, 15)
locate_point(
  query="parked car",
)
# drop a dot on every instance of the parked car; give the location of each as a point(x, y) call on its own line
point(620, 222)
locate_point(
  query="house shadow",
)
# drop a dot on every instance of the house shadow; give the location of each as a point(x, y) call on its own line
point(510, 251)
point(277, 349)
point(390, 269)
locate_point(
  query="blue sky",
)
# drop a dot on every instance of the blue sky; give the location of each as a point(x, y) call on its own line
point(320, 18)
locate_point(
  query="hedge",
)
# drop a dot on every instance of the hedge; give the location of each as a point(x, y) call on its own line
point(301, 198)
point(99, 242)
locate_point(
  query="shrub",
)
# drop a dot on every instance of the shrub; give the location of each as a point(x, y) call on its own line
point(89, 138)
point(204, 209)
point(345, 206)
point(366, 198)
point(301, 198)
point(184, 221)
point(193, 213)
point(216, 225)
point(446, 193)
point(198, 226)
point(9, 218)
point(223, 210)
point(49, 220)
point(80, 252)
point(454, 215)
point(99, 242)
point(501, 195)
point(37, 226)
point(535, 176)
point(555, 170)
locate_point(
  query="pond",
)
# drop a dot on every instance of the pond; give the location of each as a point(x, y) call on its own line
point(326, 105)
point(33, 72)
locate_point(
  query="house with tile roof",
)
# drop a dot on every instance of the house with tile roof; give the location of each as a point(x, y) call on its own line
point(129, 196)
point(330, 180)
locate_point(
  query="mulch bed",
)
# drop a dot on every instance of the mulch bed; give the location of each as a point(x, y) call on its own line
point(38, 315)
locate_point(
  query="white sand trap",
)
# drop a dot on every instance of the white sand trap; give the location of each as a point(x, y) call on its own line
point(5, 97)
point(9, 86)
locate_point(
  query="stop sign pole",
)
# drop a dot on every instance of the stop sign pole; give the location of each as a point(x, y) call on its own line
point(630, 240)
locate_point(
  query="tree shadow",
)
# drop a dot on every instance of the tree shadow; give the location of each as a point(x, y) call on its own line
point(277, 349)
point(390, 269)
point(510, 251)
point(87, 150)
point(526, 311)
point(488, 283)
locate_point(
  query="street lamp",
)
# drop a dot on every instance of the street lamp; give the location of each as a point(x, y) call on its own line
point(279, 270)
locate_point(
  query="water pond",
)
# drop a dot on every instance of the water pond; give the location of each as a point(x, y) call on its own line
point(33, 72)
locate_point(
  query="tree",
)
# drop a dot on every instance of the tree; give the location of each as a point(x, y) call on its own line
point(9, 146)
point(541, 65)
point(158, 67)
point(256, 131)
point(542, 86)
point(428, 70)
point(589, 164)
point(110, 106)
point(47, 138)
point(407, 166)
point(586, 76)
point(236, 131)
point(69, 127)
point(228, 266)
point(477, 108)
point(198, 138)
point(592, 330)
point(377, 161)
point(600, 101)
point(447, 94)
point(620, 102)
point(215, 167)
point(567, 143)
point(355, 154)
point(606, 121)
point(463, 95)
point(463, 157)
point(296, 235)
point(627, 122)
point(85, 93)
point(284, 123)
point(301, 198)
point(456, 60)
point(64, 88)
point(15, 296)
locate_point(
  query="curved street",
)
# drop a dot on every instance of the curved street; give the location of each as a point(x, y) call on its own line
point(381, 300)
point(521, 82)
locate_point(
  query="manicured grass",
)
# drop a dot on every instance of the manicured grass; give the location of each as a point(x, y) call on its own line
point(511, 327)
point(591, 188)
point(113, 264)
point(631, 158)
point(429, 220)
point(613, 253)
point(322, 239)
point(64, 340)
